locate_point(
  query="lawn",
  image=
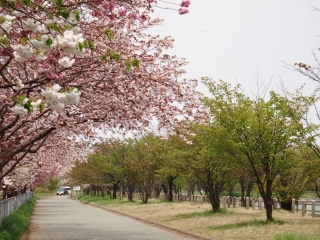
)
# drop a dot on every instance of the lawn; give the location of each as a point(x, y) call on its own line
point(229, 223)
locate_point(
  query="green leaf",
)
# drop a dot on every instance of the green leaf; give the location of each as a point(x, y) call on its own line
point(103, 57)
point(49, 41)
point(48, 14)
point(77, 15)
point(53, 26)
point(128, 64)
point(135, 63)
point(41, 106)
point(114, 55)
point(109, 33)
point(2, 19)
point(28, 106)
point(59, 3)
point(19, 98)
point(91, 45)
point(26, 2)
point(5, 40)
point(23, 39)
point(81, 46)
point(64, 14)
point(67, 27)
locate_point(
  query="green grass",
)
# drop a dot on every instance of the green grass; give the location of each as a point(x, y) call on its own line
point(44, 194)
point(106, 200)
point(245, 224)
point(290, 236)
point(40, 192)
point(309, 195)
point(13, 226)
point(208, 213)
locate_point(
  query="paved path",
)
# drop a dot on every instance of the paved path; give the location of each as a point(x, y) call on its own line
point(61, 218)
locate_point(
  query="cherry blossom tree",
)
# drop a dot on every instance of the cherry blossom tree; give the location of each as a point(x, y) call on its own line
point(68, 68)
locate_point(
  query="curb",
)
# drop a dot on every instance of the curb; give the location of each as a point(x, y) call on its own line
point(159, 225)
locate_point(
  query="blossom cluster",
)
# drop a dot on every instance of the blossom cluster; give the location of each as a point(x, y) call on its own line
point(54, 99)
point(184, 4)
point(43, 37)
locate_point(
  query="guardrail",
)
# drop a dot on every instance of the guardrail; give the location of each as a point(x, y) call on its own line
point(8, 205)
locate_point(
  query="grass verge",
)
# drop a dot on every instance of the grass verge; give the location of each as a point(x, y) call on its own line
point(229, 223)
point(13, 226)
point(44, 194)
point(291, 236)
point(252, 223)
point(104, 201)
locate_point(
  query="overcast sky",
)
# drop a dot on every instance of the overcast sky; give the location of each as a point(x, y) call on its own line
point(241, 40)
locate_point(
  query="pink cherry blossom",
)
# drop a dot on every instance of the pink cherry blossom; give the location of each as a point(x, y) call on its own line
point(102, 93)
point(185, 3)
point(122, 12)
point(97, 14)
point(134, 16)
point(183, 11)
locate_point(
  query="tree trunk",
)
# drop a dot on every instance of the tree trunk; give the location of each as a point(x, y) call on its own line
point(199, 189)
point(230, 192)
point(144, 197)
point(267, 198)
point(248, 192)
point(214, 199)
point(286, 205)
point(114, 190)
point(165, 189)
point(4, 192)
point(102, 191)
point(268, 207)
point(170, 183)
point(189, 189)
point(243, 202)
point(121, 191)
point(157, 190)
point(130, 191)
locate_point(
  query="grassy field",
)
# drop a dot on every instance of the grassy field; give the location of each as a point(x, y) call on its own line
point(13, 226)
point(230, 223)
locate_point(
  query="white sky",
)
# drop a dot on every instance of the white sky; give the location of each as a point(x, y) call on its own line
point(238, 40)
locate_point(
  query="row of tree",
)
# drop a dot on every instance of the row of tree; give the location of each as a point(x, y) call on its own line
point(268, 143)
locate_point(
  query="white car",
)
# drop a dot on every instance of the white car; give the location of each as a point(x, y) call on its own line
point(63, 191)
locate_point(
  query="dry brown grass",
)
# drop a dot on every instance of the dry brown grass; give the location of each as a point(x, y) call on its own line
point(221, 225)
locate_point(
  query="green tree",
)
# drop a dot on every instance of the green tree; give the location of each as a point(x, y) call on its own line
point(141, 164)
point(302, 175)
point(171, 156)
point(209, 162)
point(53, 184)
point(260, 130)
point(109, 161)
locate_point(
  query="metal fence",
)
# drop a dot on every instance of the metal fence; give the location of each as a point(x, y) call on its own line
point(8, 205)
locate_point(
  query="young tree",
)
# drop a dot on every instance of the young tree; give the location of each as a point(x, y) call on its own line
point(209, 162)
point(109, 161)
point(260, 130)
point(144, 164)
point(171, 155)
point(301, 176)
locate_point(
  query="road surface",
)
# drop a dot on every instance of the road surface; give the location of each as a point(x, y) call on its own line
point(61, 218)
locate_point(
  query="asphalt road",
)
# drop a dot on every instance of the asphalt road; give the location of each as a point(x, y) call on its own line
point(61, 218)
